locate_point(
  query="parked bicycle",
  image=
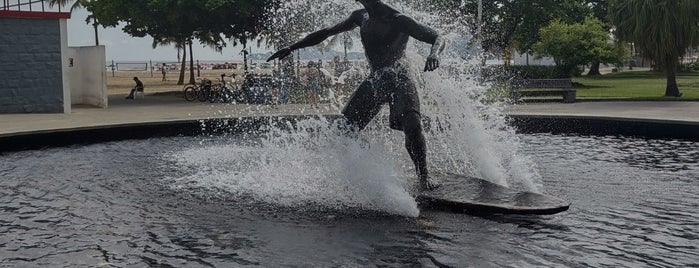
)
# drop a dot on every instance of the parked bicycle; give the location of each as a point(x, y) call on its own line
point(222, 92)
point(200, 91)
point(265, 89)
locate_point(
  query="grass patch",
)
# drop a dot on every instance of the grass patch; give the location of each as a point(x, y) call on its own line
point(635, 85)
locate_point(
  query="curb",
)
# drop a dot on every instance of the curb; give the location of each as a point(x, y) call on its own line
point(523, 123)
point(96, 134)
point(601, 126)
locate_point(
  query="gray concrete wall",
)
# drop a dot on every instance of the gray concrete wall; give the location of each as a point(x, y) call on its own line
point(31, 78)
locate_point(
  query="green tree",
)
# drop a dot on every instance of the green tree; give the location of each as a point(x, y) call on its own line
point(599, 10)
point(535, 15)
point(662, 30)
point(288, 26)
point(572, 45)
point(77, 4)
point(180, 45)
point(512, 24)
point(211, 22)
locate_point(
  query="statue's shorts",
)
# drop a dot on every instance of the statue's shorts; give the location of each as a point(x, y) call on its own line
point(388, 85)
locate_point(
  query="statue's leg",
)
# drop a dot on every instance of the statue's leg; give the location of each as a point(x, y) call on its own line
point(416, 146)
point(362, 107)
point(405, 116)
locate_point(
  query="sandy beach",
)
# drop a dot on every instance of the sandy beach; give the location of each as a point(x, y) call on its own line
point(122, 81)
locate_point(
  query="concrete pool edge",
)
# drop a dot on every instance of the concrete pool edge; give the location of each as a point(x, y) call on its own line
point(523, 123)
point(38, 139)
point(605, 125)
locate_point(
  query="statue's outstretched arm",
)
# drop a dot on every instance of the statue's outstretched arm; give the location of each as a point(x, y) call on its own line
point(316, 37)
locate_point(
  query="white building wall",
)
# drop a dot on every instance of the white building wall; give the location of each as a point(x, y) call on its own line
point(63, 24)
point(87, 75)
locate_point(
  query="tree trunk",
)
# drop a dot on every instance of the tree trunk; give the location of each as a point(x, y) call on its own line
point(506, 56)
point(191, 63)
point(180, 81)
point(298, 65)
point(345, 51)
point(594, 69)
point(94, 24)
point(245, 57)
point(671, 90)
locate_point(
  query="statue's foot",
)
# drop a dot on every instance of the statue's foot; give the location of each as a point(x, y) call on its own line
point(426, 184)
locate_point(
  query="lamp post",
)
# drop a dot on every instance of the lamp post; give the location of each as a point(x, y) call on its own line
point(480, 31)
point(480, 21)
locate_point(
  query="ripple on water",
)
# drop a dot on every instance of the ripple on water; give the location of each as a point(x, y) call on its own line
point(115, 203)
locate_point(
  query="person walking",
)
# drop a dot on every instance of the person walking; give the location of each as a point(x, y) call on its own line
point(163, 70)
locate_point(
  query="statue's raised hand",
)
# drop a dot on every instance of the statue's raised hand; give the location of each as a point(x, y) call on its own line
point(432, 63)
point(282, 53)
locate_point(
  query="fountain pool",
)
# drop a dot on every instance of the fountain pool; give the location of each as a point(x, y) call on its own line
point(313, 198)
point(177, 202)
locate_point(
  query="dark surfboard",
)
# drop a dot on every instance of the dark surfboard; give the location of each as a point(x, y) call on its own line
point(458, 193)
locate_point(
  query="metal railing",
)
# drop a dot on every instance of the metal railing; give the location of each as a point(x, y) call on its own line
point(143, 66)
point(27, 5)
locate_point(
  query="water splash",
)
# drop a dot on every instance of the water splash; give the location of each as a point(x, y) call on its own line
point(467, 135)
point(312, 163)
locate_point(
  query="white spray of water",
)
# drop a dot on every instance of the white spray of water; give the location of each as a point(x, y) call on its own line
point(314, 163)
point(468, 136)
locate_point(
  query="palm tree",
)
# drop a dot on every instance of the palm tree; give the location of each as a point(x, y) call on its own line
point(77, 5)
point(661, 29)
point(191, 62)
point(180, 45)
point(347, 39)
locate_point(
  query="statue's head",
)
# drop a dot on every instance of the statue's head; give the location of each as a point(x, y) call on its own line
point(369, 3)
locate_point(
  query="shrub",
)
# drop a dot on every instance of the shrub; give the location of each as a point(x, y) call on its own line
point(689, 67)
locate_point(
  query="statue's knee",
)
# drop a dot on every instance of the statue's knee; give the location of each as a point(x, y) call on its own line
point(411, 124)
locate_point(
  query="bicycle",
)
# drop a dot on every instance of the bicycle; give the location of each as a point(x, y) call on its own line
point(200, 91)
point(225, 93)
point(218, 92)
point(190, 91)
point(205, 90)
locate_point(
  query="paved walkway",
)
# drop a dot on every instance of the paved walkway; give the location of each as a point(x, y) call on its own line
point(171, 107)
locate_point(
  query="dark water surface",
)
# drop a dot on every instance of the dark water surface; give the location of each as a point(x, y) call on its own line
point(112, 205)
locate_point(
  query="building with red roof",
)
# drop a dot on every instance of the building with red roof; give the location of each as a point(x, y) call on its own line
point(32, 58)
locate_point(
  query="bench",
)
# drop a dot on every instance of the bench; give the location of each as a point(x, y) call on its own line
point(541, 90)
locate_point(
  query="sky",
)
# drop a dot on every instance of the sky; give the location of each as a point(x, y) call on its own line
point(122, 47)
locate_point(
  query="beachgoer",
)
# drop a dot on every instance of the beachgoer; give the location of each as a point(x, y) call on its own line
point(138, 87)
point(385, 32)
point(233, 81)
point(313, 83)
point(163, 69)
